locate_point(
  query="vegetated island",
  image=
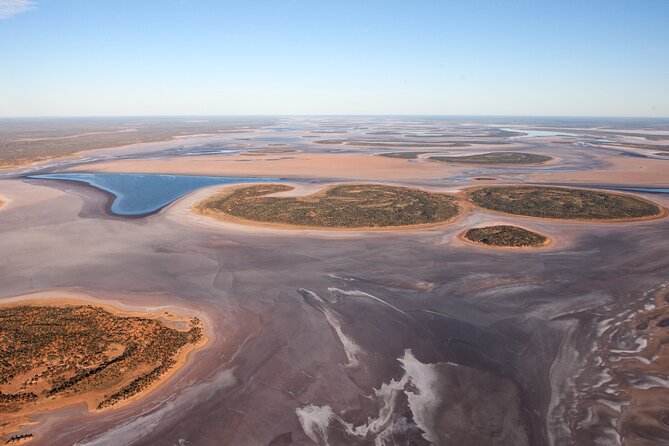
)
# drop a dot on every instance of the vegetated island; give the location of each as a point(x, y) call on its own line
point(56, 355)
point(494, 158)
point(563, 203)
point(505, 236)
point(393, 143)
point(270, 151)
point(343, 206)
point(403, 155)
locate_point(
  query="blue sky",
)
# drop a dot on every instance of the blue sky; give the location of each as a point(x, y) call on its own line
point(465, 57)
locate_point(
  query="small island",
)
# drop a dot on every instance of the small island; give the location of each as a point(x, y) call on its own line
point(403, 155)
point(269, 151)
point(564, 203)
point(56, 355)
point(505, 236)
point(344, 206)
point(494, 158)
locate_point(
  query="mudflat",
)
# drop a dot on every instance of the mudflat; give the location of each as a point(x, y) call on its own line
point(349, 335)
point(23, 142)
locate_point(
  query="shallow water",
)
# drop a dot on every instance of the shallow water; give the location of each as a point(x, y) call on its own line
point(143, 194)
point(535, 133)
point(649, 190)
point(197, 152)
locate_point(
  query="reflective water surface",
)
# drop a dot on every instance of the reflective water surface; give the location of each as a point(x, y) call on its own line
point(142, 194)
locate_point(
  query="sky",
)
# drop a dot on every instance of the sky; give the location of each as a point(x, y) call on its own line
point(339, 57)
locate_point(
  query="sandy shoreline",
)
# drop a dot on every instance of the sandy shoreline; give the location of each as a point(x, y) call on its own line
point(17, 421)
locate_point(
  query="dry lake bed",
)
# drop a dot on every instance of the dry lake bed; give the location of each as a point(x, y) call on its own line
point(338, 301)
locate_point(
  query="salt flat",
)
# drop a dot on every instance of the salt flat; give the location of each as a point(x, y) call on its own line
point(358, 336)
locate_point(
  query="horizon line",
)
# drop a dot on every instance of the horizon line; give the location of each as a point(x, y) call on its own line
point(368, 115)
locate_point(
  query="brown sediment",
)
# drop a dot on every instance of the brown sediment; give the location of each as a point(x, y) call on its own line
point(356, 166)
point(618, 170)
point(93, 397)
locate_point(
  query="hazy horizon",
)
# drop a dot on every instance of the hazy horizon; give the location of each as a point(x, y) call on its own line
point(300, 58)
point(370, 115)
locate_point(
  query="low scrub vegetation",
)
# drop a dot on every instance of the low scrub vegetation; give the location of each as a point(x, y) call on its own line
point(495, 158)
point(403, 155)
point(345, 206)
point(50, 351)
point(564, 203)
point(505, 236)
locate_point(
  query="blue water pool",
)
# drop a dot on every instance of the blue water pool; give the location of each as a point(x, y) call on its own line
point(143, 194)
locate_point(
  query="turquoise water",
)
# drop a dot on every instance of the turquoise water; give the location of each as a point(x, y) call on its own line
point(143, 194)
